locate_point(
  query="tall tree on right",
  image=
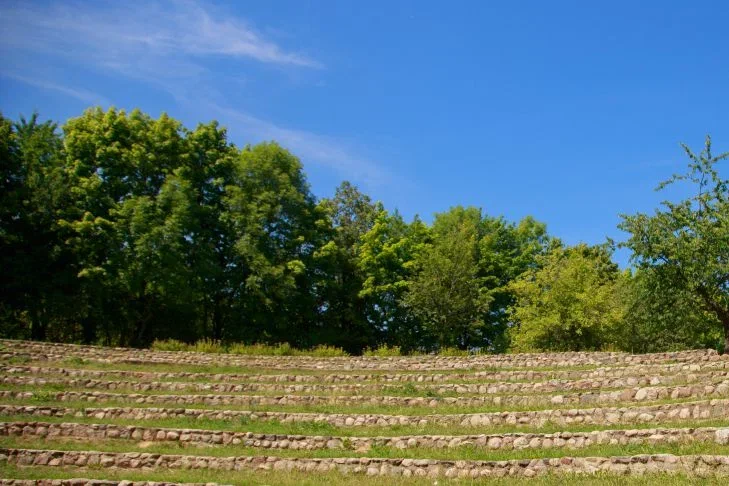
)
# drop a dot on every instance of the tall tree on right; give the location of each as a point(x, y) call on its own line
point(686, 244)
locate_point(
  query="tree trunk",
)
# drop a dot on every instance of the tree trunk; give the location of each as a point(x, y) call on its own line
point(724, 317)
point(37, 326)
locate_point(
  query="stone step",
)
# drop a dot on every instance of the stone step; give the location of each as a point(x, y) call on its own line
point(635, 394)
point(703, 409)
point(42, 376)
point(510, 441)
point(698, 465)
point(638, 372)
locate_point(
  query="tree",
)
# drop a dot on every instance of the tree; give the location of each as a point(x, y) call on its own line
point(276, 224)
point(387, 257)
point(571, 303)
point(446, 295)
point(344, 321)
point(685, 244)
point(507, 250)
point(213, 261)
point(119, 167)
point(37, 277)
point(660, 317)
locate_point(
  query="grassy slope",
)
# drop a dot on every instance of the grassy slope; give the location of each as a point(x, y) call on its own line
point(293, 478)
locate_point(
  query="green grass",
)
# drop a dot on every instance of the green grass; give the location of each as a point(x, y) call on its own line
point(262, 370)
point(295, 478)
point(216, 347)
point(46, 394)
point(410, 390)
point(376, 377)
point(469, 453)
point(406, 389)
point(326, 429)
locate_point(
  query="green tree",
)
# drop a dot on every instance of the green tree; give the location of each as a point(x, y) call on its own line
point(686, 244)
point(276, 224)
point(344, 320)
point(122, 219)
point(571, 303)
point(507, 250)
point(387, 258)
point(37, 280)
point(213, 261)
point(660, 317)
point(446, 294)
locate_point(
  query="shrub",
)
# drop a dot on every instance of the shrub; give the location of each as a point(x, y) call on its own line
point(258, 349)
point(324, 351)
point(169, 345)
point(383, 351)
point(283, 349)
point(208, 346)
point(450, 351)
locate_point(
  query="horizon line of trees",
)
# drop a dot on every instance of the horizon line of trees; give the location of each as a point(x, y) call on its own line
point(120, 229)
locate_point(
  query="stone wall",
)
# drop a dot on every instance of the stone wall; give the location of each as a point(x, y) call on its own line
point(565, 440)
point(633, 375)
point(60, 351)
point(695, 391)
point(704, 465)
point(550, 386)
point(561, 417)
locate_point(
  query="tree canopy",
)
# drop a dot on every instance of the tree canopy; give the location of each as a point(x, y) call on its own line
point(119, 228)
point(685, 244)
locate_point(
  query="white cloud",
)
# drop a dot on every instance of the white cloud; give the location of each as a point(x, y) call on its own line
point(170, 45)
point(308, 146)
point(150, 29)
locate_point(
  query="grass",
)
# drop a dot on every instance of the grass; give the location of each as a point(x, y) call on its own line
point(375, 376)
point(468, 453)
point(216, 347)
point(295, 478)
point(407, 389)
point(262, 369)
point(394, 388)
point(47, 394)
point(245, 424)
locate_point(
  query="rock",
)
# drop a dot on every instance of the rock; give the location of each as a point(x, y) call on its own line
point(722, 436)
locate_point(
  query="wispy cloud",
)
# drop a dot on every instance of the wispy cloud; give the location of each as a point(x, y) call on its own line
point(171, 45)
point(161, 28)
point(308, 146)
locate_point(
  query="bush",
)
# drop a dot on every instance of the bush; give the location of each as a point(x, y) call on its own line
point(259, 349)
point(208, 346)
point(383, 351)
point(324, 351)
point(449, 351)
point(169, 345)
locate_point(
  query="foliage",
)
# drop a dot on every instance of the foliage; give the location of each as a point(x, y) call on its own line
point(685, 244)
point(387, 256)
point(660, 317)
point(169, 345)
point(283, 349)
point(324, 351)
point(212, 346)
point(383, 351)
point(570, 304)
point(117, 228)
point(446, 293)
point(451, 351)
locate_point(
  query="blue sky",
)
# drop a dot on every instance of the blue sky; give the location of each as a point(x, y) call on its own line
point(568, 111)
